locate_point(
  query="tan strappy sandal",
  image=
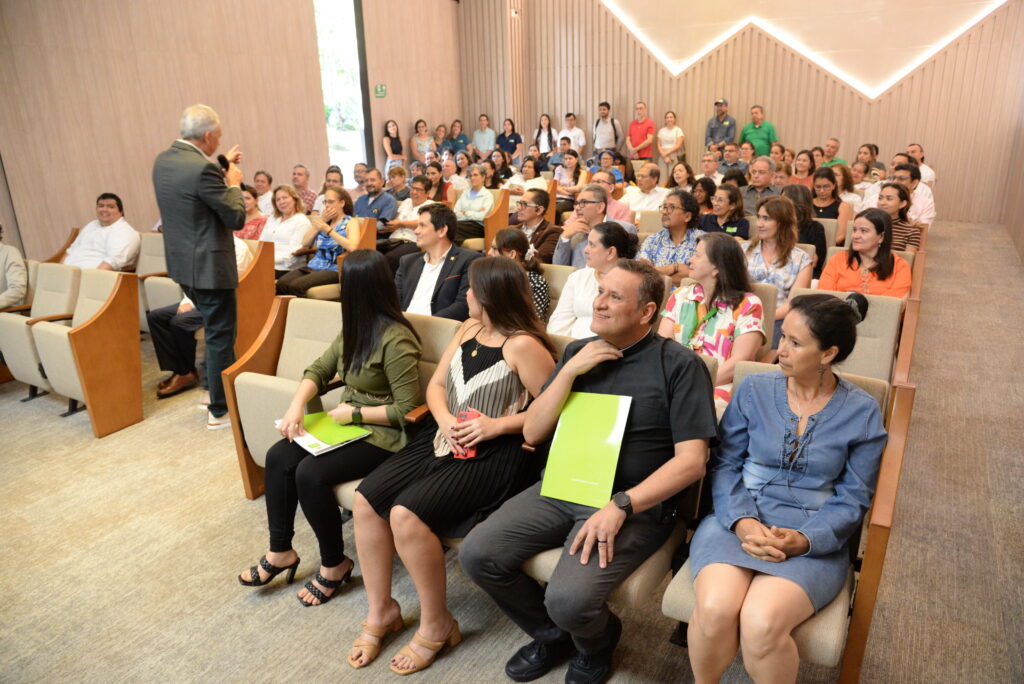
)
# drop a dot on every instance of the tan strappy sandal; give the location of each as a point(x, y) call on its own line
point(421, 663)
point(372, 650)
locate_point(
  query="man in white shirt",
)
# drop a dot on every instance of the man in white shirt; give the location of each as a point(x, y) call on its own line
point(263, 182)
point(108, 243)
point(922, 202)
point(709, 166)
point(646, 195)
point(591, 209)
point(403, 240)
point(916, 153)
point(871, 194)
point(608, 133)
point(576, 136)
point(449, 172)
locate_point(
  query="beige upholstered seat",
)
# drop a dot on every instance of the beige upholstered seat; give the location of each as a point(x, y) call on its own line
point(495, 220)
point(556, 277)
point(55, 293)
point(876, 336)
point(811, 252)
point(151, 263)
point(822, 638)
point(831, 227)
point(365, 230)
point(648, 223)
point(767, 294)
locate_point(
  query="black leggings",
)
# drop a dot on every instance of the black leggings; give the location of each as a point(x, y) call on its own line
point(295, 476)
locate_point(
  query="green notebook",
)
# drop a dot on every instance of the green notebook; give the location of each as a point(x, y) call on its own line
point(323, 434)
point(585, 449)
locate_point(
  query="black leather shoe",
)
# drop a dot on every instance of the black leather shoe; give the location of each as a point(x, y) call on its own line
point(536, 659)
point(595, 668)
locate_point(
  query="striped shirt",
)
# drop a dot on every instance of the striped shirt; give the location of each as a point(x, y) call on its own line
point(905, 235)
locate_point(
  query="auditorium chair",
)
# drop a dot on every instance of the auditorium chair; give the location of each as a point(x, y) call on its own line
point(366, 229)
point(648, 223)
point(839, 631)
point(59, 254)
point(552, 188)
point(876, 336)
point(493, 222)
point(556, 277)
point(151, 263)
point(97, 360)
point(809, 249)
point(31, 270)
point(907, 256)
point(547, 175)
point(831, 227)
point(767, 294)
point(55, 293)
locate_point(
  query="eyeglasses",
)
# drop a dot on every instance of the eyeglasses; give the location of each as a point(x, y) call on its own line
point(584, 203)
point(523, 205)
point(666, 208)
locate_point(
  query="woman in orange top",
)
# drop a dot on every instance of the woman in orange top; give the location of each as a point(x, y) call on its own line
point(803, 169)
point(868, 266)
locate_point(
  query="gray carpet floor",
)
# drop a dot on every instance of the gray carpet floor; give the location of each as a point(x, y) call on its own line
point(120, 554)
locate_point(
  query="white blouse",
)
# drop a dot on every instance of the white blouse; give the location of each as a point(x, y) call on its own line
point(287, 237)
point(575, 310)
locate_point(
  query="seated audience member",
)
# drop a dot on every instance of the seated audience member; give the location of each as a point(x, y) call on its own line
point(704, 192)
point(789, 155)
point(803, 169)
point(484, 139)
point(403, 240)
point(731, 159)
point(542, 160)
point(473, 206)
point(450, 175)
point(108, 243)
point(747, 152)
point(397, 186)
point(868, 266)
point(503, 170)
point(663, 451)
point(868, 154)
point(542, 236)
point(434, 283)
point(709, 168)
point(760, 188)
point(13, 275)
point(329, 235)
point(421, 141)
point(719, 315)
point(375, 203)
point(736, 178)
point(462, 163)
point(646, 195)
point(777, 151)
point(263, 183)
point(827, 203)
point(439, 190)
point(607, 161)
point(818, 153)
point(831, 150)
point(894, 199)
point(844, 179)
point(606, 244)
point(545, 137)
point(376, 353)
point(457, 140)
point(726, 214)
point(568, 177)
point(791, 481)
point(394, 152)
point(173, 331)
point(492, 181)
point(773, 257)
point(808, 231)
point(431, 157)
point(510, 142)
point(332, 178)
point(916, 153)
point(670, 249)
point(556, 158)
point(254, 219)
point(359, 174)
point(860, 173)
point(591, 209)
point(922, 207)
point(680, 176)
point(417, 168)
point(783, 172)
point(287, 229)
point(455, 472)
point(528, 178)
point(871, 194)
point(300, 181)
point(617, 211)
point(513, 244)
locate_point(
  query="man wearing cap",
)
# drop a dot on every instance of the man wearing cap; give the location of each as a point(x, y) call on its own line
point(721, 128)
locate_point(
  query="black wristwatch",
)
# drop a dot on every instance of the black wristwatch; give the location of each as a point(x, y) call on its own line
point(622, 500)
point(357, 415)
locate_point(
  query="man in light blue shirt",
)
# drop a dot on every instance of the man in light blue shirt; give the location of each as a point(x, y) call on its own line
point(376, 203)
point(591, 209)
point(483, 139)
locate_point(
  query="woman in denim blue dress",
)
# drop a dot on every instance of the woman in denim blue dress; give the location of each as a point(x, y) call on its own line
point(791, 482)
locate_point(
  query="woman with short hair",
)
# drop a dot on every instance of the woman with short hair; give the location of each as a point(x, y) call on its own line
point(421, 141)
point(726, 214)
point(827, 203)
point(704, 192)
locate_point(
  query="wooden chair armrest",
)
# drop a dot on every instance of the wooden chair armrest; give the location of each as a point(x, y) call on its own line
point(54, 317)
point(157, 274)
point(17, 309)
point(304, 251)
point(417, 414)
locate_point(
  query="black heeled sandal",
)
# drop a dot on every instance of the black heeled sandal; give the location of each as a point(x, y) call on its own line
point(326, 584)
point(272, 570)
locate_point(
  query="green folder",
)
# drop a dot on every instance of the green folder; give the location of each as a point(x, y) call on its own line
point(328, 433)
point(585, 449)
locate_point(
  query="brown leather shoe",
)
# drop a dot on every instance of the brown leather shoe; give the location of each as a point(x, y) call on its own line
point(166, 381)
point(178, 384)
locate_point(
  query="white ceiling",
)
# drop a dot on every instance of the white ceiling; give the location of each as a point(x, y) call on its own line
point(870, 44)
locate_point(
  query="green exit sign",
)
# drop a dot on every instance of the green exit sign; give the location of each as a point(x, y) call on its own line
point(380, 90)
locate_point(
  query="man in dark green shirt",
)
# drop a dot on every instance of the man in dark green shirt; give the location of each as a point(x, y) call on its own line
point(831, 150)
point(760, 133)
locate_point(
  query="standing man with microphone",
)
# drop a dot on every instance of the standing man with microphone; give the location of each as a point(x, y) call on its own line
point(200, 205)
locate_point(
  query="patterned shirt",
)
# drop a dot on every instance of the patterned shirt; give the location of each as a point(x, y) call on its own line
point(782, 277)
point(539, 290)
point(308, 198)
point(327, 250)
point(661, 251)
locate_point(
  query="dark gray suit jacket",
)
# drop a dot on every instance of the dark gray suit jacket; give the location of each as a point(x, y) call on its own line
point(449, 300)
point(199, 212)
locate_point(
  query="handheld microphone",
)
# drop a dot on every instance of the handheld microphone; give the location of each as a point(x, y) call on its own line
point(223, 161)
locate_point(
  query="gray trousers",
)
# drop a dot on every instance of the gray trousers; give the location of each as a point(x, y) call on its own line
point(574, 601)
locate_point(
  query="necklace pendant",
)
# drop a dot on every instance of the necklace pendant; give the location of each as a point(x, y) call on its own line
point(473, 353)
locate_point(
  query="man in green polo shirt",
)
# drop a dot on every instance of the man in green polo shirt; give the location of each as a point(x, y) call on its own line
point(831, 150)
point(759, 133)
